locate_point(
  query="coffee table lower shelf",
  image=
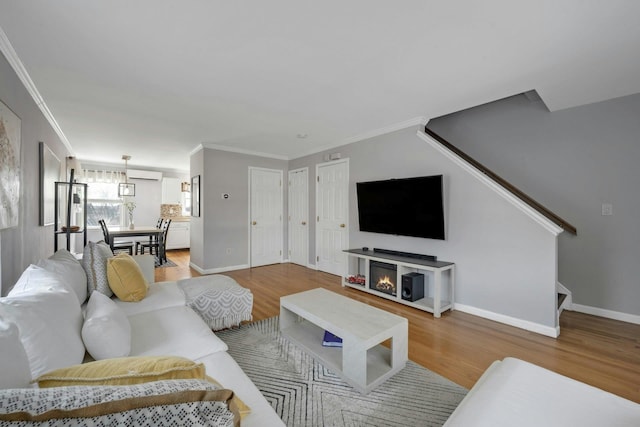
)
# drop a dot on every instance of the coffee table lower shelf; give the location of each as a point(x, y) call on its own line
point(309, 337)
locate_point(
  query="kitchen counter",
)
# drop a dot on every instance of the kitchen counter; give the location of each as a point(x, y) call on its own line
point(178, 218)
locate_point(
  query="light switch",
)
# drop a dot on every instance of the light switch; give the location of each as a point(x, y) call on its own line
point(607, 209)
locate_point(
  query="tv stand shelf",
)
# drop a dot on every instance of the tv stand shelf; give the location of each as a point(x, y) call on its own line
point(438, 293)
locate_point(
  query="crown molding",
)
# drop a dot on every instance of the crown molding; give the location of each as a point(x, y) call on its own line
point(241, 151)
point(199, 147)
point(12, 57)
point(420, 120)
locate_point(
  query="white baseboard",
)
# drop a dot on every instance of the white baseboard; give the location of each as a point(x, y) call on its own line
point(609, 314)
point(511, 321)
point(217, 270)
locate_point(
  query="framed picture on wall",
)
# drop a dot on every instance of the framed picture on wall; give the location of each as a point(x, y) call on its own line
point(195, 195)
point(9, 167)
point(49, 174)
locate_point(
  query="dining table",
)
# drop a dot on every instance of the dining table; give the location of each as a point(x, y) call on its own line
point(140, 231)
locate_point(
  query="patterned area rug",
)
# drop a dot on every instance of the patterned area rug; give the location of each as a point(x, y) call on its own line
point(169, 263)
point(305, 393)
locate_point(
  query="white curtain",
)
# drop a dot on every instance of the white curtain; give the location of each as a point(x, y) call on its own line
point(89, 176)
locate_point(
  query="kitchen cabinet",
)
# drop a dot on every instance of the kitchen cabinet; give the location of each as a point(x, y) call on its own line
point(171, 194)
point(179, 236)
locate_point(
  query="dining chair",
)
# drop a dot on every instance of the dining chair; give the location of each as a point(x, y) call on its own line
point(152, 240)
point(159, 244)
point(115, 246)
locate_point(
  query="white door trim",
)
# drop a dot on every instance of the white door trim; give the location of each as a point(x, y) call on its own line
point(317, 245)
point(306, 254)
point(281, 172)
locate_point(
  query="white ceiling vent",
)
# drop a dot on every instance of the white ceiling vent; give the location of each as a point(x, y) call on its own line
point(139, 174)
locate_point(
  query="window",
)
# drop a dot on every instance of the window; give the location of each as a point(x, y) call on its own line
point(102, 197)
point(186, 203)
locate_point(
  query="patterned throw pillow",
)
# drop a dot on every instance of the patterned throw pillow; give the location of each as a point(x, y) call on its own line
point(125, 371)
point(173, 402)
point(94, 262)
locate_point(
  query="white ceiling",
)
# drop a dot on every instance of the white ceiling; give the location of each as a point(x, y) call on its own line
point(156, 78)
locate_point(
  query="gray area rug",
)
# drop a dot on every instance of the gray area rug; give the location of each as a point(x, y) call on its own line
point(169, 263)
point(305, 393)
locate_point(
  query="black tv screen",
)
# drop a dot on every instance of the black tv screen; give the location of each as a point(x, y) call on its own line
point(404, 207)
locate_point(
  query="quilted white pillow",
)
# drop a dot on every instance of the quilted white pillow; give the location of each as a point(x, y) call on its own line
point(14, 369)
point(34, 278)
point(94, 262)
point(65, 264)
point(49, 321)
point(106, 331)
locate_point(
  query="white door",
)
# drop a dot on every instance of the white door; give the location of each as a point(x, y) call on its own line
point(299, 216)
point(332, 214)
point(265, 216)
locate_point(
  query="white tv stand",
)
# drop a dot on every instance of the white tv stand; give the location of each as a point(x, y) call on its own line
point(438, 295)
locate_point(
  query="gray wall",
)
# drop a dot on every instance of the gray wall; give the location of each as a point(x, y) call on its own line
point(572, 161)
point(505, 261)
point(28, 242)
point(225, 222)
point(197, 223)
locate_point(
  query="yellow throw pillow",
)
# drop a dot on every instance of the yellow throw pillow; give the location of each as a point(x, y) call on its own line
point(124, 371)
point(243, 408)
point(126, 279)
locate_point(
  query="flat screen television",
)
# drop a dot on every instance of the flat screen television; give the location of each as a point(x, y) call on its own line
point(404, 207)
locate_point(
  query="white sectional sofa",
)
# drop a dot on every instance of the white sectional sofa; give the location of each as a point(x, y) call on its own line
point(160, 324)
point(512, 392)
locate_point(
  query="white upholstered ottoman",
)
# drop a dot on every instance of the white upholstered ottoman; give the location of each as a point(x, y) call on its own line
point(218, 299)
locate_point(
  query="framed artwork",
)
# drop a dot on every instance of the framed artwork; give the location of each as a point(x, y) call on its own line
point(9, 167)
point(49, 174)
point(195, 195)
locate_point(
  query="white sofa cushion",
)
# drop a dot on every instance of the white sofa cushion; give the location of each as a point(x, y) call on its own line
point(14, 369)
point(94, 262)
point(49, 320)
point(159, 295)
point(34, 278)
point(66, 265)
point(106, 331)
point(513, 392)
point(173, 331)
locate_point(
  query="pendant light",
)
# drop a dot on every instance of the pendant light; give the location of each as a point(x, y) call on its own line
point(124, 188)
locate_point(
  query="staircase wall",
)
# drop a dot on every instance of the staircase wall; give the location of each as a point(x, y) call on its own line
point(572, 161)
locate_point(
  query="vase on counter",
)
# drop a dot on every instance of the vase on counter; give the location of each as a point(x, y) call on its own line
point(131, 225)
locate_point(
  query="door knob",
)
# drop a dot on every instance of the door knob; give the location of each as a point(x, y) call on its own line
point(343, 225)
point(253, 223)
point(304, 222)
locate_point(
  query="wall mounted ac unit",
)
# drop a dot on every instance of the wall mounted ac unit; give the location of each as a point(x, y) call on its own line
point(140, 174)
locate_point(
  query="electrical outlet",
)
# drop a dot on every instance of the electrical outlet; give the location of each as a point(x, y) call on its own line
point(607, 209)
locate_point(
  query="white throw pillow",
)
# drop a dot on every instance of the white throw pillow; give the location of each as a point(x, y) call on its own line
point(14, 369)
point(34, 278)
point(106, 331)
point(65, 264)
point(49, 320)
point(94, 262)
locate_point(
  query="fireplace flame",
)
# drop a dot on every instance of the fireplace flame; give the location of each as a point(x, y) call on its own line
point(385, 284)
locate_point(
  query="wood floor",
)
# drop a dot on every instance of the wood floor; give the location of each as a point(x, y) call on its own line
point(602, 352)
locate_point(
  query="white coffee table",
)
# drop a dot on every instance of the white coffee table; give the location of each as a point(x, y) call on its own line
point(362, 361)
